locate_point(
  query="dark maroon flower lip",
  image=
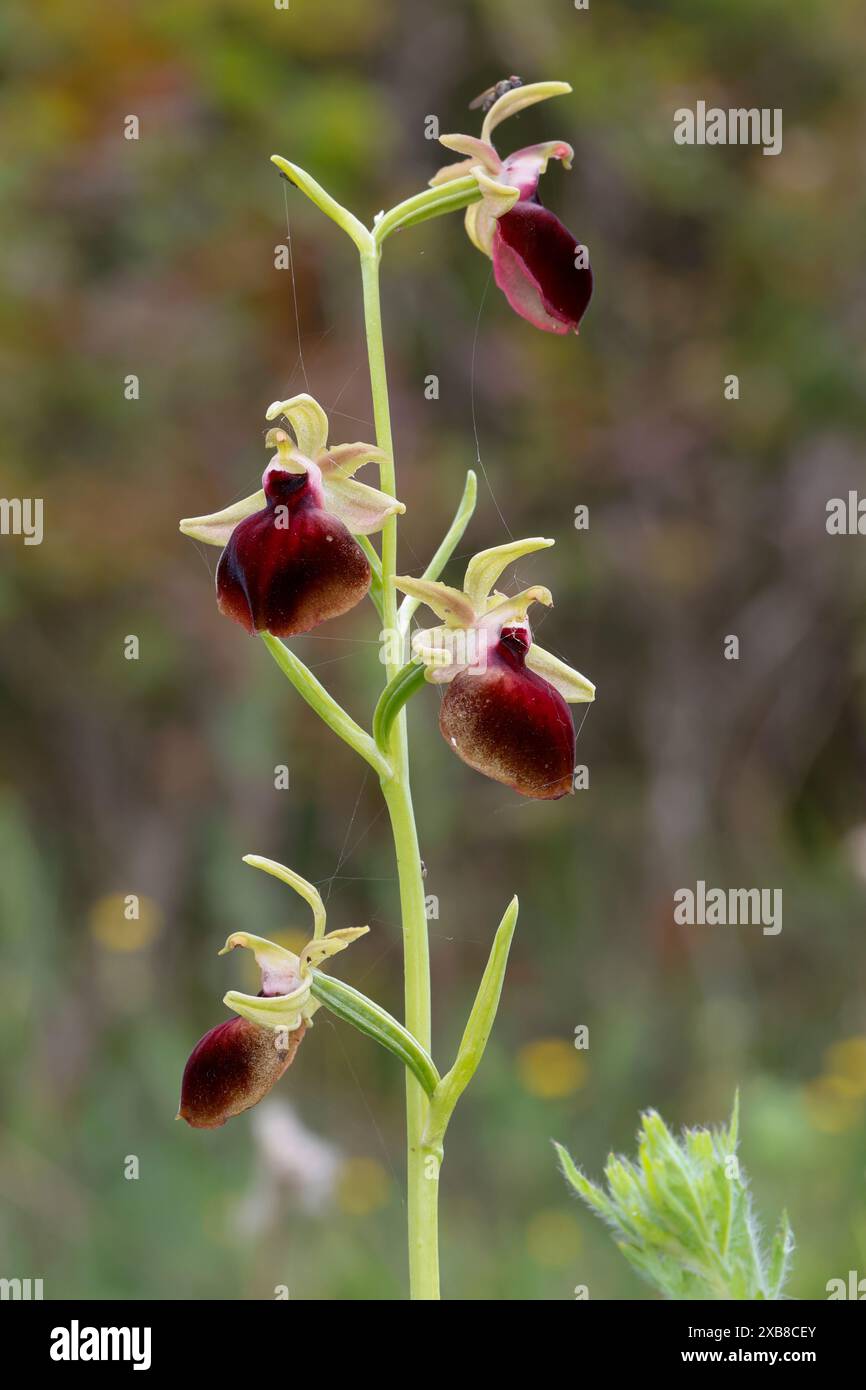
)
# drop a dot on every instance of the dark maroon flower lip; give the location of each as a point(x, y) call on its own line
point(291, 565)
point(290, 559)
point(511, 725)
point(232, 1068)
point(539, 266)
point(505, 705)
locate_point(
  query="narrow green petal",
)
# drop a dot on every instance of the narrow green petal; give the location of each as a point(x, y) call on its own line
point(485, 568)
point(517, 100)
point(320, 949)
point(306, 890)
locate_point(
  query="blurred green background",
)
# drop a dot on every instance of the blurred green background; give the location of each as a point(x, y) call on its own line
point(153, 777)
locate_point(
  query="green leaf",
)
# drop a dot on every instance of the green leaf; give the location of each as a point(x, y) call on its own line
point(317, 194)
point(407, 681)
point(450, 542)
point(478, 1027)
point(780, 1257)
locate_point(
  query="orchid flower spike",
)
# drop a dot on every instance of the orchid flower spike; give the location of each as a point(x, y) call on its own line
point(505, 711)
point(542, 270)
point(290, 559)
point(236, 1063)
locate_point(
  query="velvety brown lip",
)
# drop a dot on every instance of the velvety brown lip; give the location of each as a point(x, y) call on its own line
point(232, 1068)
point(289, 567)
point(509, 724)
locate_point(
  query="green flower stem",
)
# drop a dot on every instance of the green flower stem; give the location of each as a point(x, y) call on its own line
point(429, 1099)
point(451, 540)
point(432, 202)
point(423, 1174)
point(325, 706)
point(375, 572)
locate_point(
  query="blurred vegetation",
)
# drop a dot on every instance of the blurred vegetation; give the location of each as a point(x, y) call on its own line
point(682, 1215)
point(153, 777)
